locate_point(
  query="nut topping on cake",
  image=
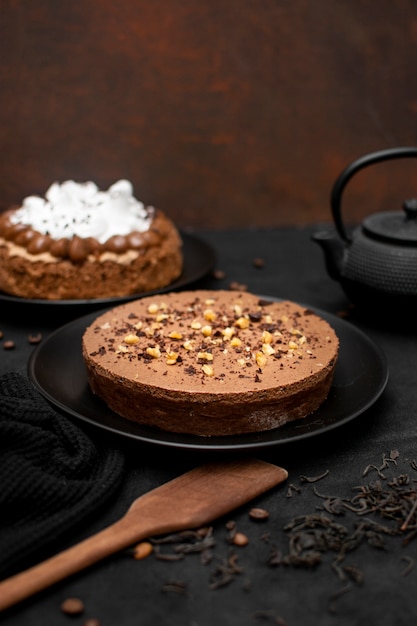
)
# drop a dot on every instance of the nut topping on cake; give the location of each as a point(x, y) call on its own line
point(256, 364)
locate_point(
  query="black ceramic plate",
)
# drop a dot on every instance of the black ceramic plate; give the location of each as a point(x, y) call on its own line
point(199, 260)
point(57, 370)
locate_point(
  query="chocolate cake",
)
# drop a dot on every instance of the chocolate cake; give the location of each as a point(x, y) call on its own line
point(210, 362)
point(82, 243)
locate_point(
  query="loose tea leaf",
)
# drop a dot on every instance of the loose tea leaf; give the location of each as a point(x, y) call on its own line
point(375, 513)
point(313, 479)
point(176, 586)
point(185, 542)
point(410, 565)
point(269, 616)
point(391, 499)
point(225, 572)
point(336, 595)
point(291, 488)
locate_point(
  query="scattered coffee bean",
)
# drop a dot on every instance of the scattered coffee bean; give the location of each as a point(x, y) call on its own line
point(9, 345)
point(235, 286)
point(258, 263)
point(92, 621)
point(1, 334)
point(142, 550)
point(34, 339)
point(240, 539)
point(258, 514)
point(219, 274)
point(72, 606)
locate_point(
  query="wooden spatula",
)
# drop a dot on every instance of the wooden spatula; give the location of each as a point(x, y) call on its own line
point(189, 501)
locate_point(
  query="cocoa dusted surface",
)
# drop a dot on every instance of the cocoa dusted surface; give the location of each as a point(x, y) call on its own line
point(211, 363)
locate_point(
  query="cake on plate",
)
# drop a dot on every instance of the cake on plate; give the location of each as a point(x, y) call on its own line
point(82, 243)
point(210, 362)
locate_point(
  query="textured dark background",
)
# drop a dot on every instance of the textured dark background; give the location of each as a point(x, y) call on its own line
point(222, 113)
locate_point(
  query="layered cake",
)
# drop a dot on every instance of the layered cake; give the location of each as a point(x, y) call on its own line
point(79, 243)
point(210, 362)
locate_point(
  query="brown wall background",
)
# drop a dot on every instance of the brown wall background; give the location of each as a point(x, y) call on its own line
point(223, 113)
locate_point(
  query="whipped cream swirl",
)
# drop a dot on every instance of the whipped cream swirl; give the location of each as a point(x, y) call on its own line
point(81, 209)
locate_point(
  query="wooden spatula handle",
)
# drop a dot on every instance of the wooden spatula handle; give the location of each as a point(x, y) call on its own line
point(189, 501)
point(116, 537)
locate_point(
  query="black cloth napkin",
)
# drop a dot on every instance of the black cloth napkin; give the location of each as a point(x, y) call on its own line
point(52, 475)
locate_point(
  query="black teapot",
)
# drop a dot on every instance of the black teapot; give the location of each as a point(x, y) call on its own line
point(375, 263)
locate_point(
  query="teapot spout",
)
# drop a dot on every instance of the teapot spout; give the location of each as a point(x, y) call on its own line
point(333, 249)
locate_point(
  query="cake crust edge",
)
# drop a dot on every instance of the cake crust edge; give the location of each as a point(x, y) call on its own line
point(206, 410)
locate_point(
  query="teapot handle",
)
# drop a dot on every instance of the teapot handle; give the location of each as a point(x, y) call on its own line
point(353, 168)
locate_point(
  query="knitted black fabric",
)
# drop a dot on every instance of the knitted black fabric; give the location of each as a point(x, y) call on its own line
point(52, 476)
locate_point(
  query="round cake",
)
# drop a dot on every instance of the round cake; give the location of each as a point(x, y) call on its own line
point(82, 243)
point(210, 362)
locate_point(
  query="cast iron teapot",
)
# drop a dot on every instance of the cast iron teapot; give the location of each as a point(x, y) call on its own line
point(375, 263)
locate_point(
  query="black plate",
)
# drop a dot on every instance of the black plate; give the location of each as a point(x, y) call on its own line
point(199, 260)
point(56, 368)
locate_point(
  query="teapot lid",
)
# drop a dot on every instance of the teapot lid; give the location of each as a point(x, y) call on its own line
point(394, 226)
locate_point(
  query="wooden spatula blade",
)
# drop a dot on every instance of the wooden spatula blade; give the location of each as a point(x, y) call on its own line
point(206, 493)
point(189, 501)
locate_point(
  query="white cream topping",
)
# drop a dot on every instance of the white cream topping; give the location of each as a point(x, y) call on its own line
point(81, 209)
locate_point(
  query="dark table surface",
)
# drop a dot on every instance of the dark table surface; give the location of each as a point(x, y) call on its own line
point(374, 584)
